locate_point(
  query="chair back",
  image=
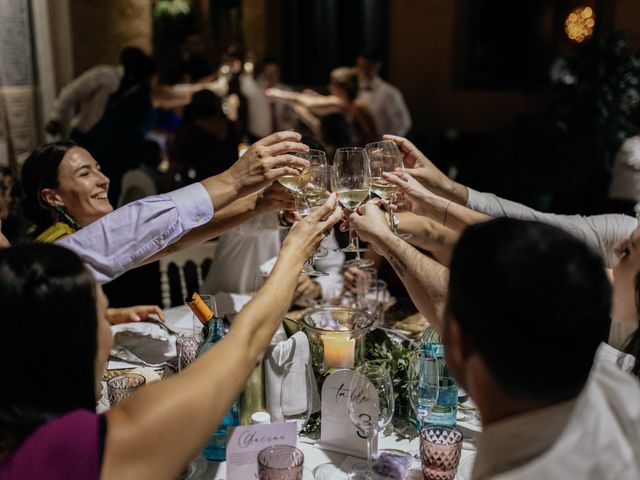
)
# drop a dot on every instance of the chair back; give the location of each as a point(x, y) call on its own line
point(184, 271)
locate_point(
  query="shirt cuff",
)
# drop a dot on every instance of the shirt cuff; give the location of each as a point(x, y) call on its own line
point(193, 204)
point(472, 199)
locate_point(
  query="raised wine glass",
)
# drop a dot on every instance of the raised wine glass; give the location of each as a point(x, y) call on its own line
point(385, 157)
point(314, 194)
point(351, 181)
point(296, 183)
point(371, 392)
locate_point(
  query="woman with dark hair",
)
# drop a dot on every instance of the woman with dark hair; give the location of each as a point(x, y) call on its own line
point(343, 89)
point(48, 428)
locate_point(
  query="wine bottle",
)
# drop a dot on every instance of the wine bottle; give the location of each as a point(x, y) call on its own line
point(216, 448)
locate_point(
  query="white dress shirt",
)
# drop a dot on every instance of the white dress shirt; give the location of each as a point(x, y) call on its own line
point(88, 94)
point(625, 182)
point(595, 437)
point(258, 106)
point(387, 106)
point(241, 251)
point(600, 232)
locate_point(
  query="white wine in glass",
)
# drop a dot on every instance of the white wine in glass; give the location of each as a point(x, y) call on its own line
point(352, 198)
point(385, 157)
point(351, 180)
point(295, 183)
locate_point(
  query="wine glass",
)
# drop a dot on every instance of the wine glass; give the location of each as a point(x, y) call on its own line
point(294, 183)
point(351, 180)
point(423, 374)
point(385, 157)
point(295, 394)
point(314, 194)
point(371, 406)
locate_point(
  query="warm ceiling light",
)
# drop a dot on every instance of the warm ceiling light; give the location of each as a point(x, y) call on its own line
point(579, 24)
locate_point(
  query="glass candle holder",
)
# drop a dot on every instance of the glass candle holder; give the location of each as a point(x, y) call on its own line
point(122, 386)
point(336, 336)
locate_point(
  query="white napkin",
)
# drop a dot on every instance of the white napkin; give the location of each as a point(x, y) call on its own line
point(266, 267)
point(147, 341)
point(295, 349)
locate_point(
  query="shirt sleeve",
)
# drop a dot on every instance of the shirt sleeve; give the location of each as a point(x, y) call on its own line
point(600, 232)
point(331, 285)
point(135, 232)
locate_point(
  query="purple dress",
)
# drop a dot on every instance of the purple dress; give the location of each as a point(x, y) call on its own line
point(68, 447)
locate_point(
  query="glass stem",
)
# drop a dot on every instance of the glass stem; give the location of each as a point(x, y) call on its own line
point(370, 452)
point(358, 247)
point(394, 230)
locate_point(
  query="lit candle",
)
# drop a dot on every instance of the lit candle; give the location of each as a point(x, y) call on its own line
point(339, 351)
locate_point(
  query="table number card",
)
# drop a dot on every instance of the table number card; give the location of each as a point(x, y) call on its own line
point(245, 443)
point(337, 431)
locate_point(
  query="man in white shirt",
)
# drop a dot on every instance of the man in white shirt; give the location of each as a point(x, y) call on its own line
point(526, 309)
point(383, 99)
point(81, 103)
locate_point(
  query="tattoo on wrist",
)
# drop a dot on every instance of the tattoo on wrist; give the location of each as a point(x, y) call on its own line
point(397, 264)
point(440, 239)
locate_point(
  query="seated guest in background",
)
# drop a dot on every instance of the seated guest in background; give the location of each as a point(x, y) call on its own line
point(526, 309)
point(241, 252)
point(601, 232)
point(280, 114)
point(383, 99)
point(13, 222)
point(48, 424)
point(343, 89)
point(66, 198)
point(207, 142)
point(144, 180)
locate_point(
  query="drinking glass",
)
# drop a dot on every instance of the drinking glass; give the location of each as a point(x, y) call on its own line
point(424, 383)
point(186, 348)
point(372, 299)
point(370, 390)
point(295, 394)
point(440, 449)
point(385, 157)
point(316, 157)
point(122, 386)
point(280, 462)
point(296, 182)
point(445, 410)
point(314, 194)
point(351, 180)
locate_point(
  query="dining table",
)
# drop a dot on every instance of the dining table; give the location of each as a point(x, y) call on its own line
point(337, 465)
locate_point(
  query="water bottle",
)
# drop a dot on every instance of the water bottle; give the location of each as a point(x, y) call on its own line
point(445, 410)
point(216, 448)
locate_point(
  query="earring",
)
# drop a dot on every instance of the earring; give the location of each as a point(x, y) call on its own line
point(64, 217)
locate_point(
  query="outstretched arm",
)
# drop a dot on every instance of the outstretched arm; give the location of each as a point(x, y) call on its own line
point(425, 279)
point(142, 429)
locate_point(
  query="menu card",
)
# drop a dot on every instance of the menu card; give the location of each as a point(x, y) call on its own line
point(246, 442)
point(337, 431)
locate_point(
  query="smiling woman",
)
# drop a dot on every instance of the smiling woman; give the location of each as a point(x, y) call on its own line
point(64, 190)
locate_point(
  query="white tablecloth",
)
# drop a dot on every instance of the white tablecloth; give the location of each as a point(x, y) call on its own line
point(181, 320)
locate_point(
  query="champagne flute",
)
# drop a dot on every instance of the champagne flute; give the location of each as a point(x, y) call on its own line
point(385, 157)
point(351, 180)
point(371, 405)
point(314, 194)
point(295, 394)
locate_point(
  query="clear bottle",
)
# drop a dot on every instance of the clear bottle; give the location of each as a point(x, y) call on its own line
point(216, 449)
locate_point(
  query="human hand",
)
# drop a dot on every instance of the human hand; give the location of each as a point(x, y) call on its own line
point(415, 197)
point(267, 160)
point(138, 313)
point(308, 232)
point(430, 176)
point(370, 224)
point(306, 290)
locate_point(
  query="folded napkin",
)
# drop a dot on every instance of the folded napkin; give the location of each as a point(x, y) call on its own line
point(146, 341)
point(295, 349)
